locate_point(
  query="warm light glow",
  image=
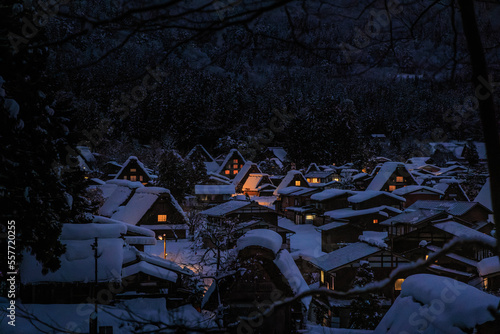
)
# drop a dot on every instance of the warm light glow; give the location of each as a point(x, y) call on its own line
point(141, 178)
point(162, 218)
point(124, 177)
point(485, 283)
point(336, 179)
point(297, 183)
point(309, 217)
point(160, 237)
point(226, 172)
point(426, 257)
point(322, 276)
point(133, 178)
point(133, 170)
point(375, 221)
point(235, 171)
point(399, 179)
point(235, 166)
point(392, 188)
point(235, 161)
point(398, 283)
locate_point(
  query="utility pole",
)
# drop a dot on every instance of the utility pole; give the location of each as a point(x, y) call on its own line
point(93, 316)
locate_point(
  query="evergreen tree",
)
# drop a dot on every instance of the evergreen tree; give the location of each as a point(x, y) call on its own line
point(180, 175)
point(471, 154)
point(42, 184)
point(365, 308)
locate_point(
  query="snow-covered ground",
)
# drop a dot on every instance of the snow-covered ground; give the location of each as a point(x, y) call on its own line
point(306, 241)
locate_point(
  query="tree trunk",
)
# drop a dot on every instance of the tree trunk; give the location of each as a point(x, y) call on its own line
point(483, 91)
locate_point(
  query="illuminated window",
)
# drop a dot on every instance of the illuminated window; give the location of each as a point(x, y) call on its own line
point(141, 178)
point(235, 166)
point(241, 166)
point(133, 178)
point(375, 221)
point(485, 283)
point(235, 161)
point(309, 217)
point(297, 183)
point(322, 276)
point(398, 283)
point(426, 257)
point(124, 177)
point(162, 218)
point(399, 179)
point(235, 171)
point(133, 170)
point(392, 188)
point(226, 172)
point(332, 287)
point(336, 179)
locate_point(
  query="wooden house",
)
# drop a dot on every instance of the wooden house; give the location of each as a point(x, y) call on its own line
point(199, 153)
point(258, 184)
point(269, 275)
point(260, 223)
point(241, 211)
point(295, 203)
point(134, 170)
point(232, 164)
point(391, 176)
point(122, 270)
point(369, 199)
point(110, 169)
point(471, 212)
point(331, 199)
point(416, 193)
point(489, 272)
point(338, 268)
point(155, 208)
point(293, 178)
point(243, 175)
point(336, 235)
point(452, 190)
point(213, 194)
point(366, 219)
point(361, 181)
point(322, 177)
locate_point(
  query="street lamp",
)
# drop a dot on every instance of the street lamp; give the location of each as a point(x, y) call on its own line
point(163, 237)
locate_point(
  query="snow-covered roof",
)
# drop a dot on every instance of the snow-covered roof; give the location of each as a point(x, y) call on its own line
point(122, 190)
point(488, 266)
point(484, 195)
point(77, 263)
point(416, 189)
point(225, 208)
point(214, 189)
point(412, 217)
point(331, 226)
point(149, 269)
point(296, 191)
point(244, 171)
point(292, 274)
point(130, 228)
point(366, 195)
point(454, 256)
point(345, 255)
point(456, 208)
point(385, 172)
point(229, 156)
point(321, 174)
point(465, 232)
point(288, 179)
point(91, 231)
point(203, 152)
point(139, 163)
point(349, 212)
point(374, 238)
point(260, 237)
point(461, 307)
point(279, 152)
point(330, 193)
point(141, 202)
point(253, 181)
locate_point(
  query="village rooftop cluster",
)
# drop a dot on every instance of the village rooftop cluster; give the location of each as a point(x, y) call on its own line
point(164, 261)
